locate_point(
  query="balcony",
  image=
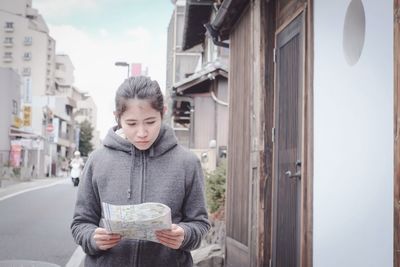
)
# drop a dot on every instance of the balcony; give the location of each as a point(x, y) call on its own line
point(8, 44)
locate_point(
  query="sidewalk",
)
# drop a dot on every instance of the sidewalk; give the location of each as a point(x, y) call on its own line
point(10, 187)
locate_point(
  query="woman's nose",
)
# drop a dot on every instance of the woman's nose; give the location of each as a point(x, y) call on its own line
point(142, 132)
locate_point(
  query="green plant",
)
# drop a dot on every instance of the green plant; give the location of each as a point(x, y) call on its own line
point(215, 188)
point(86, 135)
point(17, 171)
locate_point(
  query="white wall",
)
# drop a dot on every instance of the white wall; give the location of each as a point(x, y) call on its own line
point(353, 139)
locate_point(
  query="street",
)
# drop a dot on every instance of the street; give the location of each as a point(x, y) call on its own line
point(35, 225)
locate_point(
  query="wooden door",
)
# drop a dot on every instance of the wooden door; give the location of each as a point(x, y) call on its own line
point(289, 88)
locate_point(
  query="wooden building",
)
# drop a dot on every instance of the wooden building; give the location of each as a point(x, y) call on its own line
point(313, 152)
point(200, 100)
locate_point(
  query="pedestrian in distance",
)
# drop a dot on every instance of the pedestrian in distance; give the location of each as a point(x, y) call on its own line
point(141, 161)
point(76, 167)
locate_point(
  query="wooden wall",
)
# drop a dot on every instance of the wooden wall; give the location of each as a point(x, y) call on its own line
point(237, 201)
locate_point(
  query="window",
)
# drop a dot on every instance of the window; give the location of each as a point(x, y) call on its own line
point(27, 56)
point(26, 71)
point(7, 54)
point(9, 25)
point(354, 32)
point(68, 110)
point(27, 40)
point(8, 40)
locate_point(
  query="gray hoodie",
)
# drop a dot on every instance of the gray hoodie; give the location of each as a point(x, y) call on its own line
point(118, 173)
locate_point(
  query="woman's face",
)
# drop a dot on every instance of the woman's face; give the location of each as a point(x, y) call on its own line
point(140, 123)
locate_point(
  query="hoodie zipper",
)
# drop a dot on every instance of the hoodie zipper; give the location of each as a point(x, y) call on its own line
point(143, 178)
point(142, 192)
point(132, 173)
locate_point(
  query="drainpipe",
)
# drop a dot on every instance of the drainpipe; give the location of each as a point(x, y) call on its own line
point(214, 27)
point(215, 36)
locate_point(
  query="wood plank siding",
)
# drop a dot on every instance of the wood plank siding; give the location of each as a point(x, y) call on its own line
point(269, 22)
point(252, 111)
point(306, 230)
point(237, 204)
point(396, 204)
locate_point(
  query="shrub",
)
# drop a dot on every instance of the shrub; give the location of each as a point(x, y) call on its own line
point(215, 188)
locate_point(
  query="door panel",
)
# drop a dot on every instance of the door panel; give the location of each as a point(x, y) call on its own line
point(288, 147)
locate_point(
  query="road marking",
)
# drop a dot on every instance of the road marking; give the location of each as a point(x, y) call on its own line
point(77, 258)
point(31, 189)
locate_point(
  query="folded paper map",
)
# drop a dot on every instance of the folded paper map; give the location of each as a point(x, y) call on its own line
point(137, 221)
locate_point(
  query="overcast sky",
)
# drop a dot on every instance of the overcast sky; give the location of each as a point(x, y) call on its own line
point(97, 33)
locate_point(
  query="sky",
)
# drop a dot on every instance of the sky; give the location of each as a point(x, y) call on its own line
point(97, 33)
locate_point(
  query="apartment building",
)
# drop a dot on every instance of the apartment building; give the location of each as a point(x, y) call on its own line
point(27, 47)
point(29, 52)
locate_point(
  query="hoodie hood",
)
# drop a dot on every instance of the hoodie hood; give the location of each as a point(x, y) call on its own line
point(165, 141)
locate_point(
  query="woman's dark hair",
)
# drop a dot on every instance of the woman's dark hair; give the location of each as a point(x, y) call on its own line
point(139, 87)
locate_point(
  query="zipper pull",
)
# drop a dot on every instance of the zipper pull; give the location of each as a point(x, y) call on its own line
point(129, 194)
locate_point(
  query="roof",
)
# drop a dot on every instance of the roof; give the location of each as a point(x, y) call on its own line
point(197, 13)
point(227, 15)
point(209, 72)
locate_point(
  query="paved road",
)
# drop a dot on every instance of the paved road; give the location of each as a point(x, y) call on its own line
point(35, 225)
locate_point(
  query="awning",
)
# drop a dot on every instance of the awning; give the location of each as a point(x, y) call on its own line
point(205, 75)
point(15, 132)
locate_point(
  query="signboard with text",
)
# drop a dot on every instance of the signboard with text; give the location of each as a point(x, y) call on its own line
point(27, 116)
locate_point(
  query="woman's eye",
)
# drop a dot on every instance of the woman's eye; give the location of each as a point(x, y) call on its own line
point(131, 124)
point(150, 122)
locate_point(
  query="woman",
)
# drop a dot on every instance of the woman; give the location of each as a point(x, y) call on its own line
point(141, 162)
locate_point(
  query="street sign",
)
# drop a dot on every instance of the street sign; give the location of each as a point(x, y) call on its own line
point(49, 128)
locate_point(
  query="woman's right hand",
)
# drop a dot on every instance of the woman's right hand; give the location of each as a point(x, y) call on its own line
point(105, 240)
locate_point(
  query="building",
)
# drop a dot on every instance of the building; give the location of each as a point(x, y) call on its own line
point(28, 49)
point(180, 63)
point(71, 107)
point(313, 151)
point(87, 110)
point(199, 95)
point(10, 102)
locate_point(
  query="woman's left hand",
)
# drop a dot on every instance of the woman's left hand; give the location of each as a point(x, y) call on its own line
point(171, 238)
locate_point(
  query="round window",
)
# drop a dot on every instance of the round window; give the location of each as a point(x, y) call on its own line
point(354, 32)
